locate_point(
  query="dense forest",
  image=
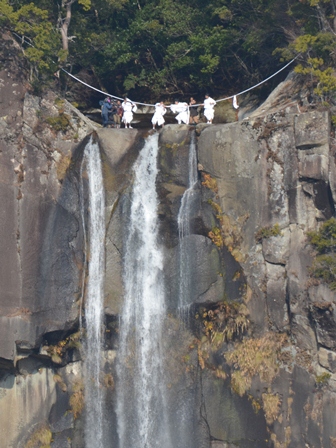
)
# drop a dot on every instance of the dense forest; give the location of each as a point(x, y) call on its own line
point(154, 49)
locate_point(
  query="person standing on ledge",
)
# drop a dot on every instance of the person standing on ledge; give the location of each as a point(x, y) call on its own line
point(160, 110)
point(209, 104)
point(128, 107)
point(194, 118)
point(105, 110)
point(118, 114)
point(182, 111)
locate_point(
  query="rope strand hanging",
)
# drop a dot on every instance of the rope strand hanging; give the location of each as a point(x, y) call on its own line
point(22, 38)
point(217, 101)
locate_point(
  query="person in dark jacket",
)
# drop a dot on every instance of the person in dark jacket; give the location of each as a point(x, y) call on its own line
point(106, 108)
point(193, 111)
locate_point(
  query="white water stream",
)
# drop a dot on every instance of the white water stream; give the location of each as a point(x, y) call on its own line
point(183, 220)
point(94, 299)
point(141, 389)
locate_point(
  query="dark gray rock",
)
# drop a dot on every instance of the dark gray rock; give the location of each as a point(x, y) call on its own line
point(62, 440)
point(313, 166)
point(173, 158)
point(65, 422)
point(203, 267)
point(231, 418)
point(312, 129)
point(324, 317)
point(277, 296)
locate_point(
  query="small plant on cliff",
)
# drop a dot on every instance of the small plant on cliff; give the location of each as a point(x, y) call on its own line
point(219, 322)
point(60, 122)
point(267, 232)
point(216, 236)
point(77, 399)
point(229, 232)
point(271, 404)
point(40, 438)
point(58, 350)
point(322, 380)
point(253, 357)
point(209, 182)
point(324, 241)
point(223, 321)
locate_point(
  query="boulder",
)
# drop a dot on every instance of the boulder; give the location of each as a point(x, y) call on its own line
point(312, 129)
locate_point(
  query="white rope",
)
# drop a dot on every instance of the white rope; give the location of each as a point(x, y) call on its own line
point(153, 105)
point(262, 82)
point(101, 91)
point(194, 105)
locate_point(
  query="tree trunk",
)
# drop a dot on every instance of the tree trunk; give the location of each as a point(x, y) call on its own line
point(65, 23)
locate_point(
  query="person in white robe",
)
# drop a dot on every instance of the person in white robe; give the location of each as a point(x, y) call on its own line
point(182, 111)
point(160, 110)
point(128, 108)
point(209, 104)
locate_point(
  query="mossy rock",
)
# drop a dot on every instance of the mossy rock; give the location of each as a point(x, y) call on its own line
point(225, 113)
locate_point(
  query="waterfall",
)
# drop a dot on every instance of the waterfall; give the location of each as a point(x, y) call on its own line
point(94, 298)
point(183, 220)
point(141, 389)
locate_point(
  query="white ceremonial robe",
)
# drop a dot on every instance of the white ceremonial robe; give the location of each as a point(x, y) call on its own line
point(182, 110)
point(128, 112)
point(209, 105)
point(157, 118)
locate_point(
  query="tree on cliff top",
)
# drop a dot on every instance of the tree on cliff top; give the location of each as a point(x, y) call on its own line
point(64, 22)
point(315, 42)
point(153, 48)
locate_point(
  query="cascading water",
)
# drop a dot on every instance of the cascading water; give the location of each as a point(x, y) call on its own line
point(141, 389)
point(183, 220)
point(94, 298)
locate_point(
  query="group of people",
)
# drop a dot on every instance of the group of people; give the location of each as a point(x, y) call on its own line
point(185, 113)
point(113, 113)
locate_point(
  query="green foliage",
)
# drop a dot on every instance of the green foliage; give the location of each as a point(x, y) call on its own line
point(267, 232)
point(60, 122)
point(32, 22)
point(322, 379)
point(317, 51)
point(165, 48)
point(326, 80)
point(324, 241)
point(85, 3)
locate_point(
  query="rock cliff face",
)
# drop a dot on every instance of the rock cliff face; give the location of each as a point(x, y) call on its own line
point(275, 386)
point(255, 365)
point(278, 170)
